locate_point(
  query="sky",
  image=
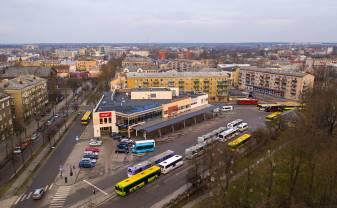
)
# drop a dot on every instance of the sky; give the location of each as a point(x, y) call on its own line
point(148, 21)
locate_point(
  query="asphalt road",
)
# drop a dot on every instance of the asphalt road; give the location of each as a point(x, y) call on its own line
point(49, 170)
point(168, 183)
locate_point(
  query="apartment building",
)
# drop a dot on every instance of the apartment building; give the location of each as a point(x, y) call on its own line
point(28, 93)
point(6, 119)
point(137, 61)
point(216, 84)
point(86, 65)
point(276, 82)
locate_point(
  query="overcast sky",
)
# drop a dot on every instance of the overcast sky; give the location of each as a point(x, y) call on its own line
point(56, 21)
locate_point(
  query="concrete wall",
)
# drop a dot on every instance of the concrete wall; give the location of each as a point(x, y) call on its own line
point(138, 95)
point(104, 115)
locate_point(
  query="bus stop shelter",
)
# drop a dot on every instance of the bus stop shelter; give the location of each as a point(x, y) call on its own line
point(158, 124)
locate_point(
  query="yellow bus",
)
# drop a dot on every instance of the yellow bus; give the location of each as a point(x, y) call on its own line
point(86, 118)
point(273, 116)
point(239, 141)
point(137, 181)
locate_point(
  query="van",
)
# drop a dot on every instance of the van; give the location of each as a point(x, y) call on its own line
point(227, 108)
point(243, 127)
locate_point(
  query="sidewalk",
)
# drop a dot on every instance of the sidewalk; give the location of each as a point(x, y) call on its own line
point(10, 196)
point(11, 166)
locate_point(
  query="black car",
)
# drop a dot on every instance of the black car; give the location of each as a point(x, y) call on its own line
point(116, 136)
point(122, 148)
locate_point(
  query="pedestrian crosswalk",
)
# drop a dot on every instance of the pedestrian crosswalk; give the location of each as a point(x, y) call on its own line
point(27, 196)
point(60, 197)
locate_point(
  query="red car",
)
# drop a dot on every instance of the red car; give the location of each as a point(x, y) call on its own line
point(92, 149)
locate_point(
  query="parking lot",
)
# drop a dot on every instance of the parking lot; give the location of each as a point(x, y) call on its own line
point(109, 161)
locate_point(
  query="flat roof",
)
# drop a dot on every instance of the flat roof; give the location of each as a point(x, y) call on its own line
point(121, 102)
point(154, 89)
point(275, 71)
point(179, 74)
point(164, 122)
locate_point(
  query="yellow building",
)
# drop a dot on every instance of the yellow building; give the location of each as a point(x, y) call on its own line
point(215, 84)
point(28, 93)
point(85, 65)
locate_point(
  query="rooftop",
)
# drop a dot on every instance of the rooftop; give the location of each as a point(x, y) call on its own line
point(3, 95)
point(121, 102)
point(179, 74)
point(151, 89)
point(137, 59)
point(20, 82)
point(17, 71)
point(275, 71)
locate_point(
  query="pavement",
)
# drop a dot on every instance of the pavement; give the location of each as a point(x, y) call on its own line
point(11, 166)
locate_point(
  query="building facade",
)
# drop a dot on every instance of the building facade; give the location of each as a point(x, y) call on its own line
point(276, 82)
point(86, 65)
point(29, 95)
point(215, 84)
point(119, 111)
point(6, 119)
point(137, 61)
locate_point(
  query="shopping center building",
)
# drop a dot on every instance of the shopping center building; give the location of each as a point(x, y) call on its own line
point(133, 110)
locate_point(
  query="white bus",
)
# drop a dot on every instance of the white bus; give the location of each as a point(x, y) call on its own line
point(171, 164)
point(234, 123)
point(228, 134)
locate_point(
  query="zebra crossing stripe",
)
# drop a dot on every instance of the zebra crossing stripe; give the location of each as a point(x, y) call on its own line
point(29, 195)
point(23, 198)
point(17, 201)
point(51, 185)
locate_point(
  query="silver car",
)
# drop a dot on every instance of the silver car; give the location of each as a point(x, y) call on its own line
point(38, 193)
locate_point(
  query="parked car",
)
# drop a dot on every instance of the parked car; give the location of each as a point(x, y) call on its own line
point(56, 115)
point(35, 136)
point(87, 163)
point(38, 193)
point(17, 150)
point(95, 142)
point(50, 121)
point(122, 148)
point(24, 144)
point(242, 127)
point(227, 108)
point(91, 155)
point(92, 149)
point(41, 128)
point(128, 142)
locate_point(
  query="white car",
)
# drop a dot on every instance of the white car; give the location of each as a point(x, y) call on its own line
point(243, 127)
point(227, 108)
point(216, 110)
point(17, 150)
point(90, 152)
point(95, 143)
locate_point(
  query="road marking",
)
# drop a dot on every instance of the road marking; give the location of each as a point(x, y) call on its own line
point(46, 187)
point(96, 187)
point(60, 196)
point(29, 195)
point(51, 185)
point(23, 198)
point(17, 201)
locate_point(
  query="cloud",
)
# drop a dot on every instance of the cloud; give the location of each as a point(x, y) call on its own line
point(167, 21)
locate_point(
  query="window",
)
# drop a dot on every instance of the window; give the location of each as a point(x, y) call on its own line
point(110, 120)
point(105, 120)
point(101, 121)
point(153, 95)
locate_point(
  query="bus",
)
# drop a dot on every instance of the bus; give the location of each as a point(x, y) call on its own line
point(272, 116)
point(171, 164)
point(86, 118)
point(137, 181)
point(234, 123)
point(144, 146)
point(228, 134)
point(239, 141)
point(155, 160)
point(247, 101)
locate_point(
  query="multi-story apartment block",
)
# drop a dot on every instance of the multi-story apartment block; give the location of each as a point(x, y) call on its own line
point(181, 65)
point(86, 65)
point(215, 84)
point(6, 119)
point(137, 61)
point(276, 82)
point(28, 93)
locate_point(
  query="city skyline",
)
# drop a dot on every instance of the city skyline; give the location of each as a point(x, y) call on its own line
point(37, 21)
